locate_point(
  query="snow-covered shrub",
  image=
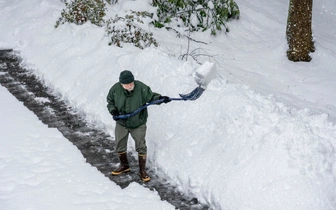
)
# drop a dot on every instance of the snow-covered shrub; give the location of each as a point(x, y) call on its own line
point(196, 14)
point(111, 1)
point(81, 11)
point(128, 30)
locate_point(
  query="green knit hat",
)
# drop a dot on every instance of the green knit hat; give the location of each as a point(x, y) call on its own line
point(126, 77)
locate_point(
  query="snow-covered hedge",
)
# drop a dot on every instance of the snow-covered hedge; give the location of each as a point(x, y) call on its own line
point(194, 14)
point(197, 14)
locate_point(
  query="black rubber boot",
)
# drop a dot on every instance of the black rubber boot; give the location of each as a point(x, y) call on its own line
point(142, 165)
point(124, 166)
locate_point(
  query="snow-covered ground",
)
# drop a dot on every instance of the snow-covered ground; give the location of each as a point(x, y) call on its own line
point(262, 136)
point(40, 169)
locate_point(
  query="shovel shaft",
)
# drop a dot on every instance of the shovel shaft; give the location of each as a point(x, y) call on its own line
point(196, 93)
point(124, 116)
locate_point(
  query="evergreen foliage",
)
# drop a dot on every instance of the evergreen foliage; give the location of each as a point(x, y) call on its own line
point(81, 11)
point(196, 14)
point(111, 1)
point(127, 30)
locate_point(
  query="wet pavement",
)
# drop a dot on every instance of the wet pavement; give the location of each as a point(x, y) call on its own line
point(96, 145)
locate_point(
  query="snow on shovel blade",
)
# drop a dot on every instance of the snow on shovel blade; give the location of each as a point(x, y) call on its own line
point(203, 76)
point(193, 95)
point(205, 73)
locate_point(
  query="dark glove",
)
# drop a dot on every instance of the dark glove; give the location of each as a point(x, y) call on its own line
point(114, 114)
point(166, 99)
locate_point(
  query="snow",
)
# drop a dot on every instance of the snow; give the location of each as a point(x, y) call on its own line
point(40, 169)
point(205, 73)
point(262, 135)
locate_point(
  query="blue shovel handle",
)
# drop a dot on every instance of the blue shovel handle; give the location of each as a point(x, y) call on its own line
point(193, 95)
point(124, 116)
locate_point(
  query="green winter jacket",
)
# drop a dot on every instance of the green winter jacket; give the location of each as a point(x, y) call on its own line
point(126, 102)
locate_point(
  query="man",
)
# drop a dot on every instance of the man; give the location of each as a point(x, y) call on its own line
point(125, 97)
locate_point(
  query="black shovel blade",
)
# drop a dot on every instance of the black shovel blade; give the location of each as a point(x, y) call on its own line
point(193, 95)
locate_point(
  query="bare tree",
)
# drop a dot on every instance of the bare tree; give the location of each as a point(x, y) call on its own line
point(299, 30)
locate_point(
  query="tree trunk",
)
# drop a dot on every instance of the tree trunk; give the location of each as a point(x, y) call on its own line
point(299, 30)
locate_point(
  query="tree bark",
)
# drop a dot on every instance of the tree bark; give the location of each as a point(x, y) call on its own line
point(299, 30)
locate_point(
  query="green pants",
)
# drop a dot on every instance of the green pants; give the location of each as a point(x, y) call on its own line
point(138, 134)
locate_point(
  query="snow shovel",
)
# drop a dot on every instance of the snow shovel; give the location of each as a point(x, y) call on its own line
point(203, 76)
